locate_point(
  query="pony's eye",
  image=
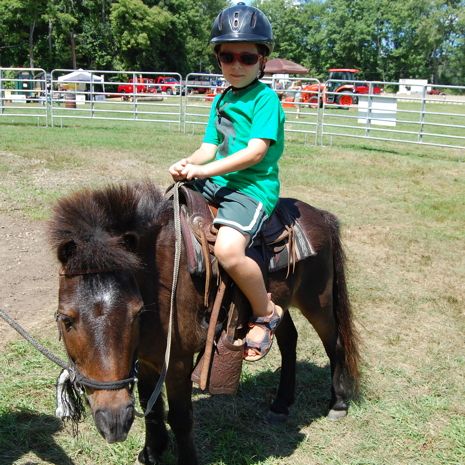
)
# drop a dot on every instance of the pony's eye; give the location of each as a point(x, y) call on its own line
point(67, 321)
point(138, 313)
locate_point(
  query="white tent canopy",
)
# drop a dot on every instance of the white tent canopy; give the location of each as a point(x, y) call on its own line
point(80, 76)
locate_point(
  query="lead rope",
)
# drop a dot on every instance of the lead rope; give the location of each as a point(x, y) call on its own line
point(177, 259)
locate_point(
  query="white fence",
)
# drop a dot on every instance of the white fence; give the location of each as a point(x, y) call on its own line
point(317, 113)
point(115, 95)
point(23, 93)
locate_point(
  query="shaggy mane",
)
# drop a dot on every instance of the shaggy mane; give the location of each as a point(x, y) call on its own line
point(90, 228)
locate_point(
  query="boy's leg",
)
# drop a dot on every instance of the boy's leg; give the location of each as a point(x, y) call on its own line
point(230, 251)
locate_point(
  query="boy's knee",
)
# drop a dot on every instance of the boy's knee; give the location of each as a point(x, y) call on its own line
point(227, 255)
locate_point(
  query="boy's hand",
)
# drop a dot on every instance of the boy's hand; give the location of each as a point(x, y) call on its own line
point(177, 168)
point(191, 171)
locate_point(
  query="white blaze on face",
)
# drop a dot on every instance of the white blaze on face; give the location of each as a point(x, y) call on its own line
point(105, 295)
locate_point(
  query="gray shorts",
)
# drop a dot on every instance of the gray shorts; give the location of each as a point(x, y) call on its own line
point(235, 209)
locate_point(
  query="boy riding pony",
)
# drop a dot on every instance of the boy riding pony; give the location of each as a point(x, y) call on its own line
point(236, 166)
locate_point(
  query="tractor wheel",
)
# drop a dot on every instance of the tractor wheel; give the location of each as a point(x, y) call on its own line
point(314, 102)
point(345, 100)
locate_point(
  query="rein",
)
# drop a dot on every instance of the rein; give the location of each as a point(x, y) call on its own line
point(173, 192)
point(76, 378)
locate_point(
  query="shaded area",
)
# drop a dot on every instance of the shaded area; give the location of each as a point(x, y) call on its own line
point(233, 430)
point(23, 432)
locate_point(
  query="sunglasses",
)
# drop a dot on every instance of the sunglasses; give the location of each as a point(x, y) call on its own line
point(244, 58)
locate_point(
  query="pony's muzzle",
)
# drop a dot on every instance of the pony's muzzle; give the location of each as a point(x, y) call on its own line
point(114, 424)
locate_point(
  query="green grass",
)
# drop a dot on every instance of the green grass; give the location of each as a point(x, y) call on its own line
point(401, 209)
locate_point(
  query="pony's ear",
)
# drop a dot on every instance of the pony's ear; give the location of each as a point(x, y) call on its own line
point(129, 241)
point(65, 251)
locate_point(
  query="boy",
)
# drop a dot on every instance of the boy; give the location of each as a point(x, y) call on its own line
point(236, 166)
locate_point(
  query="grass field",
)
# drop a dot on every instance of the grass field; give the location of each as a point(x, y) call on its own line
point(402, 213)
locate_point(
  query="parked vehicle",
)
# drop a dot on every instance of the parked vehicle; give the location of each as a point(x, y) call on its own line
point(337, 89)
point(136, 86)
point(201, 84)
point(436, 92)
point(167, 84)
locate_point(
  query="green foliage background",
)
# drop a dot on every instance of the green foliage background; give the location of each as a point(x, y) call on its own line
point(387, 39)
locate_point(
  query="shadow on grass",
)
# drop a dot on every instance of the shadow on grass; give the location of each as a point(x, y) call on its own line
point(23, 432)
point(232, 430)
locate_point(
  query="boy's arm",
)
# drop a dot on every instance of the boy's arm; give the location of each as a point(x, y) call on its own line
point(251, 155)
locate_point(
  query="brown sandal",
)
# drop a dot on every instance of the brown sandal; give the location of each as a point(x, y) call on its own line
point(269, 324)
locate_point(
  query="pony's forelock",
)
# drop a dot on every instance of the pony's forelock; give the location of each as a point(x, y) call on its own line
point(93, 225)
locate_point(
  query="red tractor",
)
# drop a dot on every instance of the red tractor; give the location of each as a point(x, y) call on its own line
point(337, 90)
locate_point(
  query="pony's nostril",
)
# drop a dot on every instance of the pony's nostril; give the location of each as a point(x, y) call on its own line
point(129, 417)
point(114, 425)
point(105, 424)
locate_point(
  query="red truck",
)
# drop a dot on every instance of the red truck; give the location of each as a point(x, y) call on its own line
point(167, 84)
point(136, 86)
point(142, 85)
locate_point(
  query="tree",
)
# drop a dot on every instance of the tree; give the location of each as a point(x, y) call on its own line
point(140, 33)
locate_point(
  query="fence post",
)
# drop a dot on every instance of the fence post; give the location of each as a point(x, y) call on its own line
point(422, 114)
point(369, 109)
point(2, 93)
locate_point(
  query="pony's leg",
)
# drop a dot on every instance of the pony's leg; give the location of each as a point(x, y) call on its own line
point(156, 435)
point(286, 337)
point(180, 418)
point(323, 320)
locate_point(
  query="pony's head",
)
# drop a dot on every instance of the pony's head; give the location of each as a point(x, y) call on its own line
point(97, 237)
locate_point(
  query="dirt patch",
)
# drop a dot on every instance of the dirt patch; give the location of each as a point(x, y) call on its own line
point(28, 282)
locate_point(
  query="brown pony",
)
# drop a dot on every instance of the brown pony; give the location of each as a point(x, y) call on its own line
point(116, 248)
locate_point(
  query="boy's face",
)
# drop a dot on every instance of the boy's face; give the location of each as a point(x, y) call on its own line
point(239, 73)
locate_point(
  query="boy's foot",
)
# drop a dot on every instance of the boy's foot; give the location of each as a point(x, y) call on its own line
point(260, 337)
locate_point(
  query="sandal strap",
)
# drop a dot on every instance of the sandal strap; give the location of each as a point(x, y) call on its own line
point(269, 322)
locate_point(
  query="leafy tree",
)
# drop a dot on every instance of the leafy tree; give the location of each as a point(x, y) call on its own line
point(140, 33)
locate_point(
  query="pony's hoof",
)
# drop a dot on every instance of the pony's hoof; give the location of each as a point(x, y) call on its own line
point(274, 418)
point(142, 459)
point(138, 462)
point(336, 414)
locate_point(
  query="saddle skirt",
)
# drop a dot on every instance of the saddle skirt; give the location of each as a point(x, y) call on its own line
point(281, 243)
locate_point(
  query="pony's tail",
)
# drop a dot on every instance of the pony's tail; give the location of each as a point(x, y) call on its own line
point(348, 334)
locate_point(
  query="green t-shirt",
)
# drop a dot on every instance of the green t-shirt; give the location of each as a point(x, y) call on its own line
point(254, 112)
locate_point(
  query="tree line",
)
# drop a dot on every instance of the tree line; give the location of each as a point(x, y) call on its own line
point(386, 39)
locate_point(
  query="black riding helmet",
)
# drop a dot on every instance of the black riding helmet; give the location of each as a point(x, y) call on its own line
point(242, 23)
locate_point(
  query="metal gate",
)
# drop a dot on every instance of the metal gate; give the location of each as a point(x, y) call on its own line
point(23, 94)
point(426, 115)
point(116, 96)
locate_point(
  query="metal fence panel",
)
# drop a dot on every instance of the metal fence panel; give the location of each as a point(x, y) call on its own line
point(23, 94)
point(200, 90)
point(430, 115)
point(319, 113)
point(116, 95)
